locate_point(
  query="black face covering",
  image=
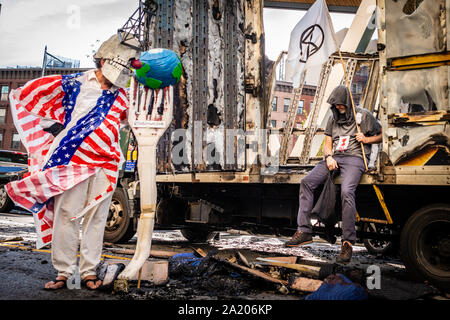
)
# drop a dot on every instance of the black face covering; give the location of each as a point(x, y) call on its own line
point(340, 95)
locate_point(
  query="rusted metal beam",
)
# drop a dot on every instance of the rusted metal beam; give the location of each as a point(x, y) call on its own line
point(418, 117)
point(421, 158)
point(255, 273)
point(309, 270)
point(419, 61)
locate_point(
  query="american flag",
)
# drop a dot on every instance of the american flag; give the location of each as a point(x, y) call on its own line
point(89, 145)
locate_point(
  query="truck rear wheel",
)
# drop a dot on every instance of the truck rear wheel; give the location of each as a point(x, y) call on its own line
point(6, 204)
point(425, 245)
point(119, 224)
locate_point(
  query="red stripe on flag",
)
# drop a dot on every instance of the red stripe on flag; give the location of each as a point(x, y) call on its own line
point(41, 214)
point(121, 102)
point(17, 198)
point(112, 119)
point(90, 142)
point(30, 124)
point(54, 104)
point(94, 156)
point(112, 180)
point(103, 136)
point(22, 114)
point(51, 103)
point(112, 128)
point(39, 95)
point(77, 170)
point(123, 115)
point(78, 160)
point(44, 227)
point(39, 188)
point(114, 108)
point(36, 135)
point(35, 148)
point(26, 90)
point(47, 239)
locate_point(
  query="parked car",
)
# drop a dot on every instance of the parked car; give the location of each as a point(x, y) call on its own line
point(13, 165)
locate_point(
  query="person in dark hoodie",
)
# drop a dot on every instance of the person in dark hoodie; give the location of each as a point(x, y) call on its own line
point(342, 150)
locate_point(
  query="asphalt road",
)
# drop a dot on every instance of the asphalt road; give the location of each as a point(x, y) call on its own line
point(25, 269)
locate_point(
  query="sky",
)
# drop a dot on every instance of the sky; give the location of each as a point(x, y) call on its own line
point(69, 28)
point(278, 25)
point(74, 28)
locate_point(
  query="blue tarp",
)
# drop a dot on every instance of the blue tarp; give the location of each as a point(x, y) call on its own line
point(338, 287)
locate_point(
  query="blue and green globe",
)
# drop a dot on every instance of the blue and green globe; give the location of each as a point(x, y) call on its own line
point(160, 68)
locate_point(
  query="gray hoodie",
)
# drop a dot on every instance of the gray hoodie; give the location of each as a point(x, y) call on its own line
point(342, 127)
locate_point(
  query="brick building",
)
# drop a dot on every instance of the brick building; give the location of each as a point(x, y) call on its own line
point(283, 94)
point(12, 78)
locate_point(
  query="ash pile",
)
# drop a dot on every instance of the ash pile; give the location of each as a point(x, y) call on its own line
point(210, 276)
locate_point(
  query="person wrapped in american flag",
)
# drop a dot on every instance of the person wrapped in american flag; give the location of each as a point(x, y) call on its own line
point(70, 126)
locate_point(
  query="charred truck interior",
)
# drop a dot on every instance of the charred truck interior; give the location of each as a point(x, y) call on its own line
point(220, 164)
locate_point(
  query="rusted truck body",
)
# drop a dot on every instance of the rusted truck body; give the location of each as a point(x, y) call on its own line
point(219, 164)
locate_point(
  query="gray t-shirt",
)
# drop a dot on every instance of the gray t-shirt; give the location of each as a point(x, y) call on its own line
point(344, 135)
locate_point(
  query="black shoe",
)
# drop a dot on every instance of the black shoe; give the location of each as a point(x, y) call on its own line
point(298, 239)
point(346, 253)
point(328, 235)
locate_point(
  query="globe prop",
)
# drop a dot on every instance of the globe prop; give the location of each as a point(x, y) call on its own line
point(159, 68)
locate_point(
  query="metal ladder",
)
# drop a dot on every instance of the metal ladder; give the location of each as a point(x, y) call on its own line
point(287, 130)
point(310, 131)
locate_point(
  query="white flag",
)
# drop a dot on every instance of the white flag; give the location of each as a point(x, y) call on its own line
point(312, 42)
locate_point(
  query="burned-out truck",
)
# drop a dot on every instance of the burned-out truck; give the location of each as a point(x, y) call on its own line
point(221, 165)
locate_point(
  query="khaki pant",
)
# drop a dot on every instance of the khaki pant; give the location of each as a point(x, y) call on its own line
point(66, 233)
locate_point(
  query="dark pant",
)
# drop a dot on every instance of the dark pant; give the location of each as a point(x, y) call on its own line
point(352, 168)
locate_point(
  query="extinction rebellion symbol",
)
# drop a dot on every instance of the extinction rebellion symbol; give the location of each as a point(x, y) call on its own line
point(306, 43)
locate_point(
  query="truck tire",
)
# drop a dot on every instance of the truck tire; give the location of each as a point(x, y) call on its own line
point(119, 225)
point(425, 245)
point(195, 234)
point(6, 204)
point(382, 247)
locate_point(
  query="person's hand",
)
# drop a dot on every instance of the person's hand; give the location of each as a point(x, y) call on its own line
point(54, 129)
point(331, 163)
point(360, 137)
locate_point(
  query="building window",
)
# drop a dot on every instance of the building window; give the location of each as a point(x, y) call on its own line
point(1, 139)
point(2, 115)
point(15, 143)
point(273, 123)
point(287, 102)
point(4, 93)
point(274, 103)
point(300, 107)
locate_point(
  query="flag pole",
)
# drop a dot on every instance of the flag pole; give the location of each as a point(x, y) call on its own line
point(353, 105)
